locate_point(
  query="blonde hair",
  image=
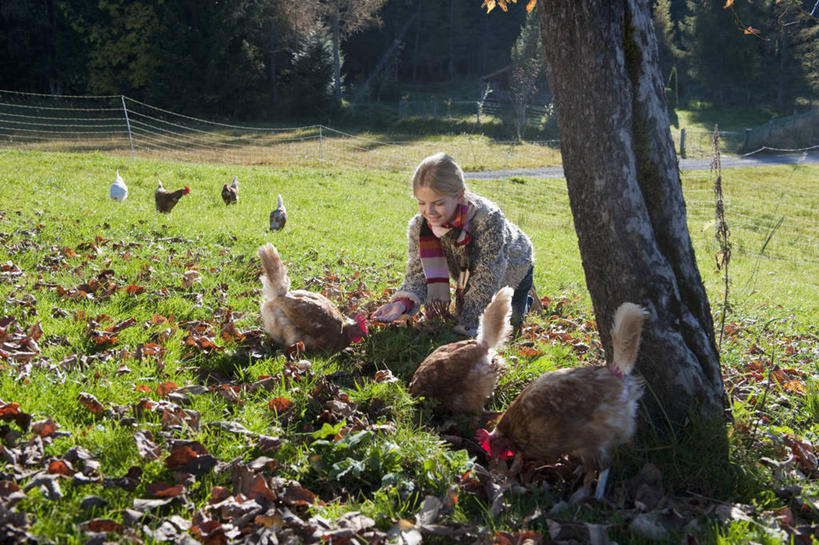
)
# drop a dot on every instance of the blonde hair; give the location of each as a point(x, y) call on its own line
point(442, 174)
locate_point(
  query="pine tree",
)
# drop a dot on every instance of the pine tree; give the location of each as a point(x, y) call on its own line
point(723, 63)
point(667, 47)
point(285, 24)
point(343, 19)
point(122, 44)
point(309, 81)
point(527, 65)
point(806, 47)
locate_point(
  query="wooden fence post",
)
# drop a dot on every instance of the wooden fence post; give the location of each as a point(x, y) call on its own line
point(682, 143)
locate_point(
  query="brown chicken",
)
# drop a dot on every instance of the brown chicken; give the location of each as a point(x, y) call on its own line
point(463, 374)
point(230, 193)
point(166, 200)
point(584, 411)
point(302, 316)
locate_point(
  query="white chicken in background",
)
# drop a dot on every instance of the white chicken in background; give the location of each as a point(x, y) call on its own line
point(278, 217)
point(119, 191)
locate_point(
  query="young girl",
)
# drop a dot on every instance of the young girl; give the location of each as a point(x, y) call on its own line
point(461, 235)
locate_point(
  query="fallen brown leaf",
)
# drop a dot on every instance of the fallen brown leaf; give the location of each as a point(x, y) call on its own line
point(165, 388)
point(297, 495)
point(280, 404)
point(60, 467)
point(163, 489)
point(90, 402)
point(146, 447)
point(101, 525)
point(10, 493)
point(179, 457)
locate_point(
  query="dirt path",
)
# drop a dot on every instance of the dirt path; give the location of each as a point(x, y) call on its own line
point(728, 161)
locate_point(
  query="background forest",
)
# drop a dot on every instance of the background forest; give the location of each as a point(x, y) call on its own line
point(262, 59)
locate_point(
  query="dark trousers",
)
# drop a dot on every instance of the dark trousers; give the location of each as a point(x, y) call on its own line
point(521, 300)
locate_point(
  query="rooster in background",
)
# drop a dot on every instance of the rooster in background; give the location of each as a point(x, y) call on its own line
point(302, 316)
point(166, 200)
point(462, 375)
point(119, 191)
point(278, 217)
point(584, 411)
point(230, 193)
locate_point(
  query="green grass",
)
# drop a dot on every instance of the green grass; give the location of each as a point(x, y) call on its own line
point(346, 237)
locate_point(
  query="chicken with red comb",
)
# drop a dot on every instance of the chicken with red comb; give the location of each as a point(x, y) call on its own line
point(582, 411)
point(165, 200)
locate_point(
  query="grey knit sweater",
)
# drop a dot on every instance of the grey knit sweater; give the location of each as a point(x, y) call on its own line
point(500, 254)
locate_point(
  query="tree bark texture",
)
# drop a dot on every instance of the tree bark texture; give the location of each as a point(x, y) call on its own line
point(626, 197)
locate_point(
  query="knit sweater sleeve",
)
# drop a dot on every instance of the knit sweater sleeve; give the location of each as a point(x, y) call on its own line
point(488, 264)
point(414, 286)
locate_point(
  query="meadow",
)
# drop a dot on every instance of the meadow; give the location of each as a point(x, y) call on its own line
point(141, 402)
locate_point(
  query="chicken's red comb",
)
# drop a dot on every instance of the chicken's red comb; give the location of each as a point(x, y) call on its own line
point(187, 189)
point(362, 325)
point(482, 436)
point(484, 439)
point(361, 321)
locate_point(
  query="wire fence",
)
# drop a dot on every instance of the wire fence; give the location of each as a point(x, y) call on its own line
point(795, 131)
point(120, 125)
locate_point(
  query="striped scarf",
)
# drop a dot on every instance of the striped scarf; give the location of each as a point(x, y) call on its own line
point(433, 259)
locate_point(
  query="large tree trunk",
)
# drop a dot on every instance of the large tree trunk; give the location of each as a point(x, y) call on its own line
point(626, 197)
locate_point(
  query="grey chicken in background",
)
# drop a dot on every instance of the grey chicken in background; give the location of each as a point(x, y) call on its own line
point(278, 217)
point(230, 193)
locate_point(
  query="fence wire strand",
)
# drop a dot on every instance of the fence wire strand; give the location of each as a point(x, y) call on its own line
point(98, 123)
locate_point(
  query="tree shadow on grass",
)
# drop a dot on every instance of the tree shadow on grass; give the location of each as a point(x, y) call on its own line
point(402, 346)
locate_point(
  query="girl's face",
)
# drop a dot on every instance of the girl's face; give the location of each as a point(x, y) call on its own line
point(437, 208)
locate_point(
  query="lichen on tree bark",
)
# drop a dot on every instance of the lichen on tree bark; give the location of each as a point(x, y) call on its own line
point(626, 197)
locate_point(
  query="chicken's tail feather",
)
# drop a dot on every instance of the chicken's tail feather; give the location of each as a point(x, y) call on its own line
point(625, 335)
point(494, 327)
point(275, 281)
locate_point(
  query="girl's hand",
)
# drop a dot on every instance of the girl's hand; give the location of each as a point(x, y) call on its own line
point(389, 312)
